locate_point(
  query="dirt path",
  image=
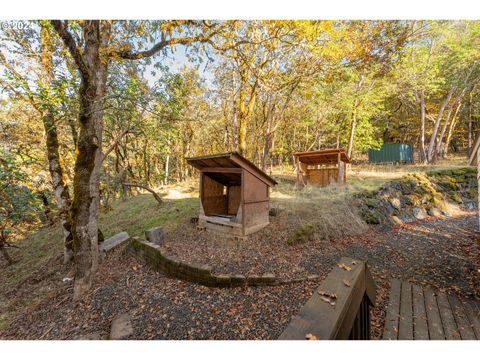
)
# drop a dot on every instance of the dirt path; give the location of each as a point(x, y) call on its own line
point(440, 253)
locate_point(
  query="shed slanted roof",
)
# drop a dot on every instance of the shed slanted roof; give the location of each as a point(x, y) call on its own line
point(231, 160)
point(327, 156)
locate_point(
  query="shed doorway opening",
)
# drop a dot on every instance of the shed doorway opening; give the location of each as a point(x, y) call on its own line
point(221, 195)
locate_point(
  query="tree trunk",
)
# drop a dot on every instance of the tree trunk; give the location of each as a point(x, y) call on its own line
point(266, 150)
point(3, 248)
point(167, 163)
point(439, 149)
point(433, 138)
point(421, 140)
point(478, 184)
point(451, 128)
point(93, 68)
point(57, 173)
point(352, 129)
point(236, 141)
point(242, 121)
point(354, 115)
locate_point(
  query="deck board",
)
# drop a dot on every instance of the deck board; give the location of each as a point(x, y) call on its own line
point(448, 320)
point(435, 328)
point(473, 315)
point(463, 324)
point(420, 327)
point(405, 329)
point(393, 311)
point(422, 314)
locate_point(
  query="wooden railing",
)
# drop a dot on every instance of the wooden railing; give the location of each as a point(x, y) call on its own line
point(339, 309)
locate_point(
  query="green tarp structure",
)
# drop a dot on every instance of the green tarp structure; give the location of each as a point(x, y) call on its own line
point(391, 153)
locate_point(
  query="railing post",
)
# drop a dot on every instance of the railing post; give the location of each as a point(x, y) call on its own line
point(340, 307)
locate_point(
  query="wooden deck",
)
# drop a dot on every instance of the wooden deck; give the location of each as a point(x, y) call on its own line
point(416, 313)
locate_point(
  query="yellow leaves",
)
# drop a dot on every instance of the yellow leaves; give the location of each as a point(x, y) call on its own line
point(344, 267)
point(327, 300)
point(328, 297)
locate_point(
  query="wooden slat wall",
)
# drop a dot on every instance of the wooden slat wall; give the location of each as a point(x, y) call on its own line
point(234, 198)
point(213, 200)
point(256, 199)
point(322, 177)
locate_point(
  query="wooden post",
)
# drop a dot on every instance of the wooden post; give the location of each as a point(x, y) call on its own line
point(339, 170)
point(242, 201)
point(297, 169)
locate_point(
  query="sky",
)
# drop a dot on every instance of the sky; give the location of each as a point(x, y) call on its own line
point(175, 61)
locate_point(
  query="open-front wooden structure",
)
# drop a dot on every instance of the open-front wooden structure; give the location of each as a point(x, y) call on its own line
point(234, 194)
point(321, 167)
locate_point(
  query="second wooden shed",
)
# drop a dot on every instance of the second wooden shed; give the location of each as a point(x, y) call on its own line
point(321, 167)
point(234, 194)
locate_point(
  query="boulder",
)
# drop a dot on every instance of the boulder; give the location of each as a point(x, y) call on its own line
point(406, 217)
point(395, 202)
point(470, 206)
point(396, 220)
point(121, 327)
point(155, 235)
point(434, 212)
point(419, 213)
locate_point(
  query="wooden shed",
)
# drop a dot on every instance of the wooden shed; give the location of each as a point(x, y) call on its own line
point(321, 167)
point(234, 194)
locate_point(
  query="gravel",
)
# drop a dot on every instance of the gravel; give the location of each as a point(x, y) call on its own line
point(442, 253)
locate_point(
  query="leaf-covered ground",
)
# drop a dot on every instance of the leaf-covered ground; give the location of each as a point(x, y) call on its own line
point(443, 253)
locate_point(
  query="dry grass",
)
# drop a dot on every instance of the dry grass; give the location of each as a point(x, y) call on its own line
point(330, 209)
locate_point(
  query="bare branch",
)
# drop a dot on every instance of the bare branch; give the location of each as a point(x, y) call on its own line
point(67, 38)
point(150, 190)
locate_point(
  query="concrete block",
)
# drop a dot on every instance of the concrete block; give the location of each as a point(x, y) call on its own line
point(114, 241)
point(155, 235)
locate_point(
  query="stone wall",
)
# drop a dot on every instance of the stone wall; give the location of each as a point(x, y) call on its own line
point(151, 253)
point(416, 196)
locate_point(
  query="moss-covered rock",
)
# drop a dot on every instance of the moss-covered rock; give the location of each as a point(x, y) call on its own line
point(416, 195)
